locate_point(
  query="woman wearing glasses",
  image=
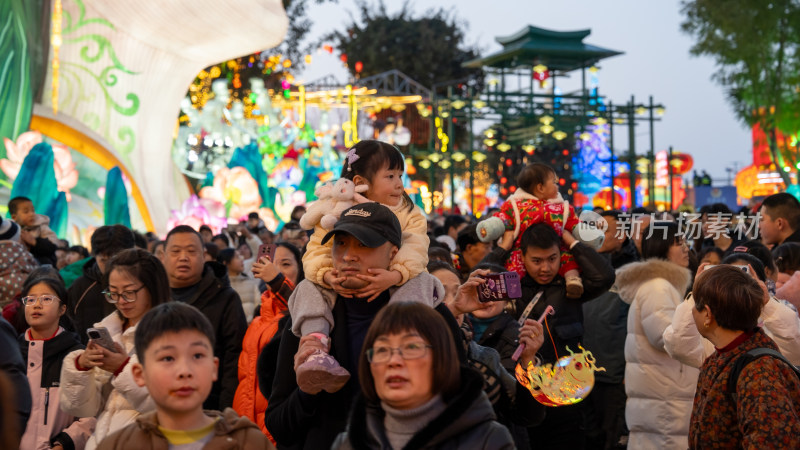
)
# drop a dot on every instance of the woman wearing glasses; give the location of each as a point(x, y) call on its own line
point(44, 345)
point(98, 381)
point(406, 400)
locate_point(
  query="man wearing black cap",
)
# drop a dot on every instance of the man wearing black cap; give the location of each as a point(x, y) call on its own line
point(367, 236)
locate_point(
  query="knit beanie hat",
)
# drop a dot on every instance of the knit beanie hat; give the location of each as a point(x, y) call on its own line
point(9, 230)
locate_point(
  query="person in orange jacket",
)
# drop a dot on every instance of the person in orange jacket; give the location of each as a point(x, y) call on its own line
point(281, 276)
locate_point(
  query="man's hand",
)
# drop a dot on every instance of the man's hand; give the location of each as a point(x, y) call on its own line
point(379, 280)
point(308, 346)
point(466, 300)
point(27, 237)
point(532, 336)
point(265, 270)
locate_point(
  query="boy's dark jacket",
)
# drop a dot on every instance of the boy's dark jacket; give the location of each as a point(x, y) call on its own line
point(566, 325)
point(230, 432)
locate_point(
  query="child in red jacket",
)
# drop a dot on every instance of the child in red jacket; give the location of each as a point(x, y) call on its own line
point(537, 200)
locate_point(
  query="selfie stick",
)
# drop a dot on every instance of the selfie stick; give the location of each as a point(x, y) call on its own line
point(523, 318)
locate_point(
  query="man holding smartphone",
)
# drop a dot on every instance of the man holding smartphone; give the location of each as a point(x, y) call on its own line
point(541, 256)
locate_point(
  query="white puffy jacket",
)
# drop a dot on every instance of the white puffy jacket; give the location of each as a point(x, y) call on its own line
point(117, 400)
point(684, 343)
point(660, 389)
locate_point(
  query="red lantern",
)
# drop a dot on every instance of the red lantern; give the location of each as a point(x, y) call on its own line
point(541, 77)
point(580, 199)
point(513, 189)
point(503, 180)
point(359, 66)
point(681, 163)
point(343, 58)
point(603, 199)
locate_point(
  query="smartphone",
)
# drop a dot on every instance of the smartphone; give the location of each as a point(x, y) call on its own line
point(500, 286)
point(745, 269)
point(102, 337)
point(267, 250)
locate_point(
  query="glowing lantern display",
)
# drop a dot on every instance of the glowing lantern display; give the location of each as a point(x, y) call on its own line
point(566, 382)
point(603, 198)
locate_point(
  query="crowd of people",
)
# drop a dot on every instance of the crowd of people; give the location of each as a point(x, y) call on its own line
point(369, 333)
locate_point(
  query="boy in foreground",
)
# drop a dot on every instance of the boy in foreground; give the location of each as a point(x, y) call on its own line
point(174, 343)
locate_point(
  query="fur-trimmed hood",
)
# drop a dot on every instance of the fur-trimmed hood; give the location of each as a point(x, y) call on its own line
point(631, 276)
point(522, 194)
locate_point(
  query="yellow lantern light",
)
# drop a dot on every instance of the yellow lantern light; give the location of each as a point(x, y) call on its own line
point(504, 147)
point(529, 148)
point(458, 104)
point(540, 68)
point(445, 164)
point(599, 121)
point(559, 135)
point(479, 104)
point(490, 142)
point(585, 136)
point(425, 164)
point(489, 133)
point(435, 157)
point(546, 129)
point(458, 156)
point(478, 157)
point(546, 120)
point(660, 111)
point(641, 110)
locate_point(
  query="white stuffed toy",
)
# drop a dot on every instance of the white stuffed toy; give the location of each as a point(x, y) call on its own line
point(333, 197)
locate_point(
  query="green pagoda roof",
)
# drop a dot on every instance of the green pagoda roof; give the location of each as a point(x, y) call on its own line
point(563, 51)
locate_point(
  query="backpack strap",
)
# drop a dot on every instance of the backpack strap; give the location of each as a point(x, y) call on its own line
point(749, 357)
